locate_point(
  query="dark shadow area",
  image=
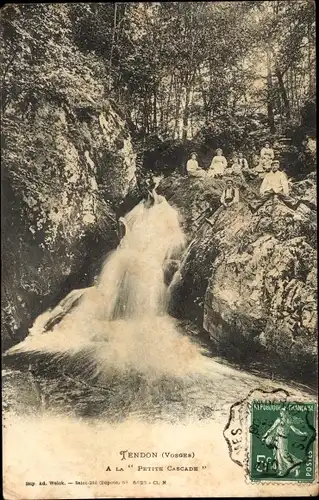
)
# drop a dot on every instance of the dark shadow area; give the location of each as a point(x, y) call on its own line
point(251, 357)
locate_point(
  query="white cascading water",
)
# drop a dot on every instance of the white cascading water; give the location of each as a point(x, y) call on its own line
point(121, 323)
point(132, 279)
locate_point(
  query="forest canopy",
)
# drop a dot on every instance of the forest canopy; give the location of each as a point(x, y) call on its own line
point(177, 67)
point(178, 70)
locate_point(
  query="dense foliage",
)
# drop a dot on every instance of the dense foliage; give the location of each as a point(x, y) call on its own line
point(180, 67)
point(235, 71)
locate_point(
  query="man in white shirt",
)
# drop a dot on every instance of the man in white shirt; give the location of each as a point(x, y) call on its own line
point(230, 195)
point(192, 167)
point(275, 183)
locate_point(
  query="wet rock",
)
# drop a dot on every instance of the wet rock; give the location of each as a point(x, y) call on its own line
point(250, 279)
point(171, 267)
point(194, 198)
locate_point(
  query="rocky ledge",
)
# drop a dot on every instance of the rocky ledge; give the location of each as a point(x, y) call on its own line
point(249, 279)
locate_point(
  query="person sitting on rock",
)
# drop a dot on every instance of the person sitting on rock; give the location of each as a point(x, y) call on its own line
point(242, 161)
point(236, 166)
point(192, 167)
point(266, 156)
point(247, 171)
point(229, 168)
point(218, 165)
point(230, 194)
point(275, 183)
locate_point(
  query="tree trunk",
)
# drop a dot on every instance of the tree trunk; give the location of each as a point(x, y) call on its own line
point(270, 109)
point(298, 93)
point(155, 110)
point(292, 90)
point(161, 110)
point(192, 126)
point(146, 126)
point(177, 109)
point(310, 73)
point(205, 103)
point(283, 93)
point(112, 44)
point(167, 115)
point(186, 112)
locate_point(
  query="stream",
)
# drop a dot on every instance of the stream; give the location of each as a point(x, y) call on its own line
point(115, 352)
point(78, 391)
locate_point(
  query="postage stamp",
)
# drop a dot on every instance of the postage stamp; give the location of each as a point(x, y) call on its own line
point(272, 436)
point(282, 441)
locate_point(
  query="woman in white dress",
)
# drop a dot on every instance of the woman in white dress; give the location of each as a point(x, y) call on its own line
point(218, 165)
point(192, 167)
point(266, 156)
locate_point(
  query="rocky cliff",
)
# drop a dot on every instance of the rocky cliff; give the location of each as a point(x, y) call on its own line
point(67, 163)
point(250, 279)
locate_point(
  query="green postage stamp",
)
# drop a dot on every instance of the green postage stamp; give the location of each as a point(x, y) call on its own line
point(282, 441)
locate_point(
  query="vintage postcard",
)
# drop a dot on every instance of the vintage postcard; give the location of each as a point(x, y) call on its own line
point(159, 258)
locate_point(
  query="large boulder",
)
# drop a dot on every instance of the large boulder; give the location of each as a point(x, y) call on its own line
point(68, 162)
point(194, 198)
point(250, 279)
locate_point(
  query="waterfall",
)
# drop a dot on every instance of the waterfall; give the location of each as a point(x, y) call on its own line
point(121, 323)
point(132, 279)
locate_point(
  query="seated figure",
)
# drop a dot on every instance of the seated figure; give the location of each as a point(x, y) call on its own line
point(242, 161)
point(230, 194)
point(266, 156)
point(236, 166)
point(275, 183)
point(192, 167)
point(248, 172)
point(218, 165)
